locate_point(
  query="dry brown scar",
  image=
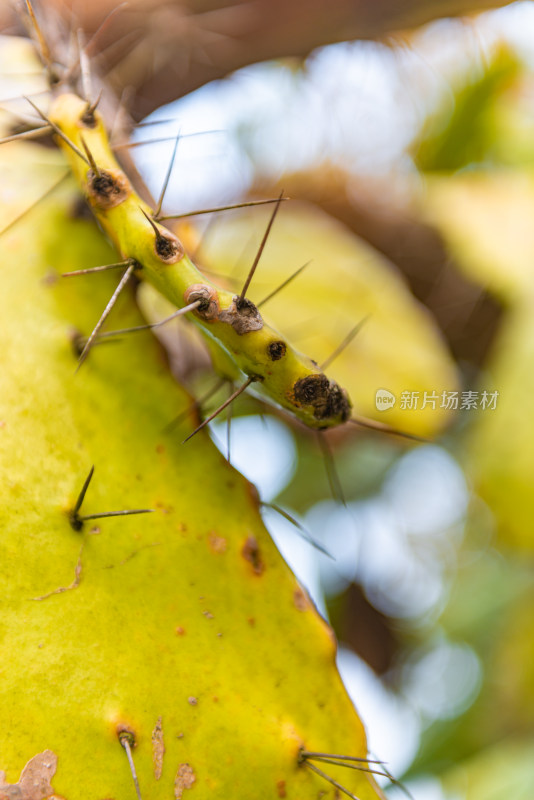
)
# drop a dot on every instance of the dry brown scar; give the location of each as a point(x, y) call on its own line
point(34, 782)
point(74, 585)
point(158, 749)
point(185, 778)
point(251, 553)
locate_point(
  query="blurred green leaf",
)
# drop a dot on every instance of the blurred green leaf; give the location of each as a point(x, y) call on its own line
point(465, 129)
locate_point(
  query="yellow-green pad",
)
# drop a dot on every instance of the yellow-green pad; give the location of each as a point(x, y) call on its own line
point(187, 615)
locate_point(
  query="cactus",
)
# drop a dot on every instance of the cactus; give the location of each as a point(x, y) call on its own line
point(175, 646)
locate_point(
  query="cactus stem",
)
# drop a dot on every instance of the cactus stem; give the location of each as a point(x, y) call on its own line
point(284, 283)
point(216, 209)
point(122, 283)
point(59, 132)
point(91, 270)
point(263, 242)
point(226, 403)
point(157, 212)
point(331, 471)
point(125, 740)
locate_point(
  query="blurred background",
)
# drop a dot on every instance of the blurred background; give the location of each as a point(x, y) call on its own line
point(409, 158)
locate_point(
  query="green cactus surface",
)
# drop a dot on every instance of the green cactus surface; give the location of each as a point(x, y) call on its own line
point(182, 630)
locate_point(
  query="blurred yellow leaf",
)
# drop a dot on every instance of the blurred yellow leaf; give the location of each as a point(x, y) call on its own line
point(503, 771)
point(398, 349)
point(503, 441)
point(486, 220)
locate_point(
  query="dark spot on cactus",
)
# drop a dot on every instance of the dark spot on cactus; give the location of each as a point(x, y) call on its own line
point(126, 734)
point(192, 701)
point(169, 248)
point(326, 397)
point(281, 788)
point(251, 553)
point(209, 300)
point(108, 189)
point(88, 118)
point(276, 350)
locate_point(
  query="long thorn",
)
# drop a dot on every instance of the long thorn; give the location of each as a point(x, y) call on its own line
point(116, 513)
point(222, 407)
point(196, 404)
point(35, 203)
point(150, 326)
point(45, 52)
point(90, 156)
point(331, 471)
point(81, 496)
point(35, 133)
point(330, 780)
point(229, 430)
point(311, 754)
point(85, 68)
point(345, 343)
point(283, 285)
point(131, 145)
point(126, 745)
point(90, 44)
point(157, 212)
point(260, 251)
point(302, 532)
point(59, 132)
point(348, 763)
point(374, 425)
point(220, 208)
point(91, 270)
point(153, 224)
point(122, 283)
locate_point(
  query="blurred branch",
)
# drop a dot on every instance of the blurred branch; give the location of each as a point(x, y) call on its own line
point(159, 50)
